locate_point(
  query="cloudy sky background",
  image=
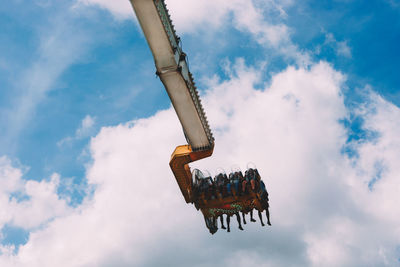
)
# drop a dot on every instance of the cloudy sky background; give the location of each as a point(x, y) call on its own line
point(307, 91)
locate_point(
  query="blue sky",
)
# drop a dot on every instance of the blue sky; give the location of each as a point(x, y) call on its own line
point(107, 54)
point(74, 72)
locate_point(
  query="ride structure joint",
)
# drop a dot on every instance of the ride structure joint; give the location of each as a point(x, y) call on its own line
point(179, 163)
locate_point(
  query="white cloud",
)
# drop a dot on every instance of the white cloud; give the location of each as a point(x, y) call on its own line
point(323, 212)
point(121, 9)
point(341, 47)
point(191, 16)
point(86, 129)
point(27, 203)
point(262, 20)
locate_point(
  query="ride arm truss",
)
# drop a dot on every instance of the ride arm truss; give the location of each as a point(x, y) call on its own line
point(172, 68)
point(173, 71)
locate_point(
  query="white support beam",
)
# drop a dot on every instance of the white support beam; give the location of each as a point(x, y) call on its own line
point(173, 72)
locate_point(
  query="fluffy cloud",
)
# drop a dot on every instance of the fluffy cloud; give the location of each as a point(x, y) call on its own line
point(120, 8)
point(191, 15)
point(86, 127)
point(323, 210)
point(247, 16)
point(85, 130)
point(27, 204)
point(341, 48)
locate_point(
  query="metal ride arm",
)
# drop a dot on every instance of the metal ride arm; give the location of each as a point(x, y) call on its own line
point(174, 73)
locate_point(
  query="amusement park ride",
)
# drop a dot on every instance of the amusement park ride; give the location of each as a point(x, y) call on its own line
point(172, 69)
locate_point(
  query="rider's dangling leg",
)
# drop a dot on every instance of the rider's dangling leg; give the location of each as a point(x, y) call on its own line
point(244, 218)
point(222, 221)
point(238, 219)
point(260, 215)
point(251, 216)
point(267, 213)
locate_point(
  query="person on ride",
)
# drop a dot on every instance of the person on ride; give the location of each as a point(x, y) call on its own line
point(221, 217)
point(199, 186)
point(211, 224)
point(246, 178)
point(220, 183)
point(265, 206)
point(229, 188)
point(196, 189)
point(227, 191)
point(258, 177)
point(228, 221)
point(263, 189)
point(211, 191)
point(251, 216)
point(264, 203)
point(235, 180)
point(226, 182)
point(204, 188)
point(253, 178)
point(244, 182)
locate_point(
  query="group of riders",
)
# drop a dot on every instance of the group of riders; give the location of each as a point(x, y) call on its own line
point(235, 186)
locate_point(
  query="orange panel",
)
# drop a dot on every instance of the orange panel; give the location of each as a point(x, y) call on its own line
point(179, 164)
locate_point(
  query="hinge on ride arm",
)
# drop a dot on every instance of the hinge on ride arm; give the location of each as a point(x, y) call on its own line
point(169, 69)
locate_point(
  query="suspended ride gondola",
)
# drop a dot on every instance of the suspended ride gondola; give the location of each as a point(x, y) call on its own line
point(224, 195)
